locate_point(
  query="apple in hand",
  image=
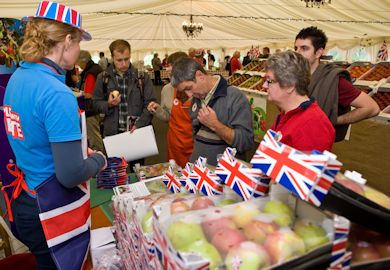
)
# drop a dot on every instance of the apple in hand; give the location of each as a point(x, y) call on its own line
point(312, 235)
point(182, 234)
point(206, 251)
point(283, 213)
point(247, 256)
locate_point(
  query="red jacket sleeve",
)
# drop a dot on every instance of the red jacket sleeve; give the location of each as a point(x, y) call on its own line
point(89, 83)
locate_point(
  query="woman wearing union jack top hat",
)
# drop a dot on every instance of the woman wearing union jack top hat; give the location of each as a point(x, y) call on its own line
point(49, 206)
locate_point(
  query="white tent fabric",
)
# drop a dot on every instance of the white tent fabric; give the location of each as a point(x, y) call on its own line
point(152, 25)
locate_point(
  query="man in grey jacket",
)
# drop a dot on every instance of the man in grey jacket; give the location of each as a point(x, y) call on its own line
point(220, 114)
point(122, 93)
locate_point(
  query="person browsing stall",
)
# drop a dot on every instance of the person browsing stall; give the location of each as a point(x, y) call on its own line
point(174, 109)
point(220, 114)
point(43, 126)
point(302, 123)
point(331, 85)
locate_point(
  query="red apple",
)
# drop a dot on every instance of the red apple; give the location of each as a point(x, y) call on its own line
point(201, 203)
point(363, 251)
point(210, 227)
point(257, 230)
point(227, 238)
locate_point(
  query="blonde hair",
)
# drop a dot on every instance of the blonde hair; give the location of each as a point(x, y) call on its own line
point(42, 35)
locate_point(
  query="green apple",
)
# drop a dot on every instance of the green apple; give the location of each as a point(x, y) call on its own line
point(244, 213)
point(377, 197)
point(283, 213)
point(206, 251)
point(226, 202)
point(312, 235)
point(247, 256)
point(146, 222)
point(182, 234)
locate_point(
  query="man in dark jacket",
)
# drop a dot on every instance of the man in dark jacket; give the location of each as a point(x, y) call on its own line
point(122, 93)
point(87, 84)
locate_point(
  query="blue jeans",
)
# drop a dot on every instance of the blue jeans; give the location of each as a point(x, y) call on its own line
point(29, 229)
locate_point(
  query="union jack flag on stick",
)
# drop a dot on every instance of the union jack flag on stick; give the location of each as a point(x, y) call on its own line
point(205, 181)
point(296, 171)
point(382, 53)
point(185, 179)
point(171, 181)
point(246, 182)
point(341, 259)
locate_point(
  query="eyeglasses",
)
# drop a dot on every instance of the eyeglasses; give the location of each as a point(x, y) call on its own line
point(270, 81)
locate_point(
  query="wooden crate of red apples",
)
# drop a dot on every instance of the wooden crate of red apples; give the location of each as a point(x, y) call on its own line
point(357, 69)
point(378, 72)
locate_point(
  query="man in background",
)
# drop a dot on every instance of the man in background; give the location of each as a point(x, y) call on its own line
point(157, 66)
point(210, 60)
point(331, 85)
point(235, 63)
point(103, 61)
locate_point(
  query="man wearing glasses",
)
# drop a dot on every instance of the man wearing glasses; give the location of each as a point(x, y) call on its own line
point(220, 114)
point(331, 85)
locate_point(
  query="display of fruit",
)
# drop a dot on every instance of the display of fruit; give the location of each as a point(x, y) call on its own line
point(284, 244)
point(251, 65)
point(250, 82)
point(358, 70)
point(312, 235)
point(232, 78)
point(247, 256)
point(244, 213)
point(146, 222)
point(201, 203)
point(226, 238)
point(206, 251)
point(259, 86)
point(241, 79)
point(150, 171)
point(179, 206)
point(378, 72)
point(181, 234)
point(364, 251)
point(350, 184)
point(283, 213)
point(226, 202)
point(259, 66)
point(382, 98)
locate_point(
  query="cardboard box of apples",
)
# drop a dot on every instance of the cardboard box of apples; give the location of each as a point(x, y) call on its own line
point(359, 203)
point(273, 232)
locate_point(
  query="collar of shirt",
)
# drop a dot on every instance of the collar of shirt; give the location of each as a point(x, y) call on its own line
point(54, 65)
point(283, 117)
point(210, 94)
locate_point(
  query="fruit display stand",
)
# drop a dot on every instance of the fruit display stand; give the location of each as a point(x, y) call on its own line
point(357, 69)
point(380, 71)
point(255, 65)
point(342, 64)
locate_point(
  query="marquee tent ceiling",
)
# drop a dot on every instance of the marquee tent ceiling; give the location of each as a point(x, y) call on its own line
point(156, 25)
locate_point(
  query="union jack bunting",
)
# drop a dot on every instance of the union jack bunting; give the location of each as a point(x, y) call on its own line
point(245, 181)
point(205, 181)
point(171, 181)
point(339, 248)
point(382, 53)
point(185, 180)
point(296, 171)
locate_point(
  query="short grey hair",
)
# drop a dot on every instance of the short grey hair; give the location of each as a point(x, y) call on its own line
point(184, 69)
point(85, 56)
point(290, 69)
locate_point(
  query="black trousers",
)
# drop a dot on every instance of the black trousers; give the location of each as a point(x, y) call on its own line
point(29, 229)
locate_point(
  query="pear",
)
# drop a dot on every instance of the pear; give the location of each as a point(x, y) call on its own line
point(182, 234)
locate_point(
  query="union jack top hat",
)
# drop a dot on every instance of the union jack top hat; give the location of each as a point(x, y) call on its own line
point(61, 13)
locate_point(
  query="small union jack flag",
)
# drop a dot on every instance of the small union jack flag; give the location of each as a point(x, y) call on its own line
point(339, 248)
point(383, 53)
point(245, 181)
point(171, 181)
point(294, 170)
point(205, 181)
point(185, 180)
